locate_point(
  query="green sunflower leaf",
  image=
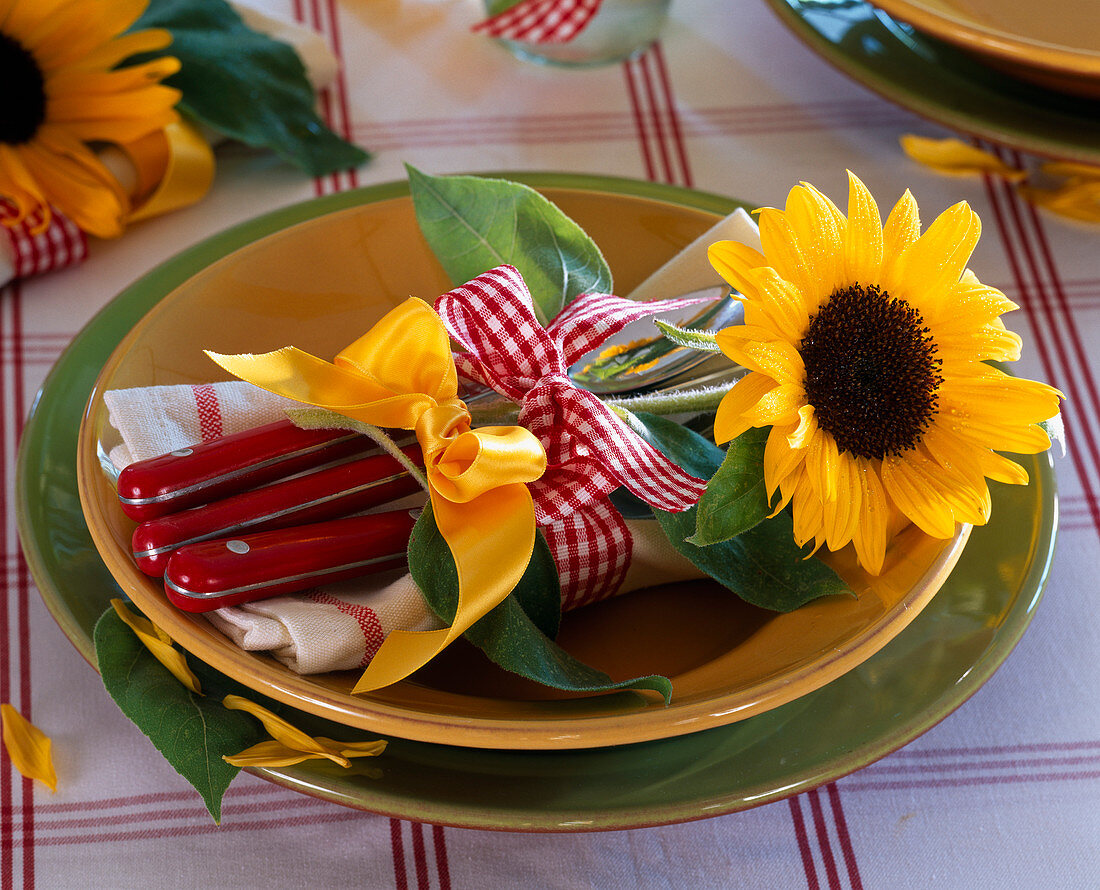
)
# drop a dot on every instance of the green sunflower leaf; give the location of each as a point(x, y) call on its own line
point(516, 635)
point(474, 224)
point(191, 731)
point(763, 565)
point(246, 85)
point(736, 498)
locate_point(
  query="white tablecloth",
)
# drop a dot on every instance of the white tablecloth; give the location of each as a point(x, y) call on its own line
point(1004, 793)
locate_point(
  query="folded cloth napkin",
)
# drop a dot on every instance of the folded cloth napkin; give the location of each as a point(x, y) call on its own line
point(341, 626)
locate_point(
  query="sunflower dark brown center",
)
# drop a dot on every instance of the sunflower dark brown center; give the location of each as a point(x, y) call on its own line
point(872, 372)
point(23, 95)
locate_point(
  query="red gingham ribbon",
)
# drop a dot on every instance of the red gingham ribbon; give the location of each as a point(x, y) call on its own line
point(590, 452)
point(60, 244)
point(541, 21)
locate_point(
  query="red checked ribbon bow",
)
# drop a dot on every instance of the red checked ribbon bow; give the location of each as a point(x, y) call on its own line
point(541, 21)
point(590, 452)
point(35, 248)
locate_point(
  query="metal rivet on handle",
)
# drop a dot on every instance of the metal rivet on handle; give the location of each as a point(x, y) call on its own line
point(183, 452)
point(237, 546)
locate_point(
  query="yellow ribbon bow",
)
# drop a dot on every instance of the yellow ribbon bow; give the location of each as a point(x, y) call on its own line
point(401, 374)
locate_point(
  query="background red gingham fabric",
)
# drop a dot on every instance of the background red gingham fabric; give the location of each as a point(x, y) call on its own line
point(541, 21)
point(1003, 793)
point(61, 243)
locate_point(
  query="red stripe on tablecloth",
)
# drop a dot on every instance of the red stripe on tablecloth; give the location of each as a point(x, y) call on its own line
point(573, 127)
point(442, 869)
point(420, 859)
point(969, 781)
point(638, 117)
point(7, 814)
point(341, 87)
point(653, 114)
point(1057, 366)
point(824, 844)
point(675, 129)
point(397, 846)
point(22, 581)
point(845, 838)
point(803, 843)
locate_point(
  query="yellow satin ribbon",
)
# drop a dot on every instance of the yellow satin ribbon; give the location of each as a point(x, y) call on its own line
point(400, 374)
point(174, 168)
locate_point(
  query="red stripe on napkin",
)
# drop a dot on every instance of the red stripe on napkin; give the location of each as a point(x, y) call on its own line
point(210, 415)
point(364, 616)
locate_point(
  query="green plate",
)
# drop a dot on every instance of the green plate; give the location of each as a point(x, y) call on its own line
point(931, 668)
point(942, 83)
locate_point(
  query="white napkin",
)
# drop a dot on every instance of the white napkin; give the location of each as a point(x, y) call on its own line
point(341, 626)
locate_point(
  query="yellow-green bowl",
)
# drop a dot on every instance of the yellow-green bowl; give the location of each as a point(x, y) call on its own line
point(321, 282)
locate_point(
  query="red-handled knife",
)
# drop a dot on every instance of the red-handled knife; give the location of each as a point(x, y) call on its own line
point(229, 571)
point(210, 470)
point(327, 493)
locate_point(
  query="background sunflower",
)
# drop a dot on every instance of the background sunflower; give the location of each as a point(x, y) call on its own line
point(58, 59)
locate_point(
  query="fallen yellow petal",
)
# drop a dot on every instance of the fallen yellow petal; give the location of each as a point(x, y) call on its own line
point(276, 754)
point(28, 747)
point(956, 157)
point(290, 745)
point(160, 645)
point(1077, 200)
point(1070, 169)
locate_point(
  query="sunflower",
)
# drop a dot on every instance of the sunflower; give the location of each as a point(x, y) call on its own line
point(63, 92)
point(867, 350)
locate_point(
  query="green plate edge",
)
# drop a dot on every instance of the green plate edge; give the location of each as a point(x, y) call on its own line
point(958, 641)
point(942, 83)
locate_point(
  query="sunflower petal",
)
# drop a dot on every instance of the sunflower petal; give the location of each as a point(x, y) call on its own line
point(927, 270)
point(956, 157)
point(729, 420)
point(781, 302)
point(28, 747)
point(279, 729)
point(803, 434)
point(806, 509)
point(779, 405)
point(902, 226)
point(863, 242)
point(159, 645)
point(870, 537)
point(780, 460)
point(733, 261)
point(917, 497)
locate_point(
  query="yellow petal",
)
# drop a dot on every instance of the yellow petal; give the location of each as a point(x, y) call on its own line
point(776, 358)
point(956, 157)
point(807, 427)
point(870, 537)
point(729, 420)
point(733, 261)
point(934, 263)
point(842, 513)
point(281, 730)
point(276, 754)
point(863, 243)
point(806, 510)
point(779, 405)
point(1071, 169)
point(28, 747)
point(822, 459)
point(780, 460)
point(159, 644)
point(783, 305)
point(918, 497)
point(1078, 199)
point(902, 226)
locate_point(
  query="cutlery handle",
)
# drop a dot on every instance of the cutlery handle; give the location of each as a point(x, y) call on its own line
point(326, 493)
point(229, 571)
point(229, 464)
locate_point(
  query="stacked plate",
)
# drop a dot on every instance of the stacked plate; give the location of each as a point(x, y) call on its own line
point(765, 705)
point(982, 67)
point(1057, 45)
